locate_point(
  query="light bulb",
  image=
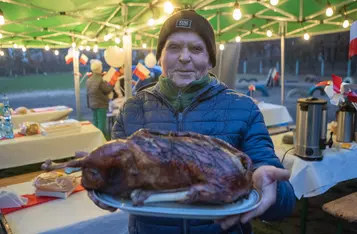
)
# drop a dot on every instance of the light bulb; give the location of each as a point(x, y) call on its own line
point(2, 53)
point(238, 38)
point(15, 46)
point(95, 47)
point(345, 24)
point(168, 7)
point(329, 11)
point(80, 47)
point(87, 48)
point(56, 52)
point(269, 33)
point(274, 2)
point(306, 36)
point(151, 22)
point(24, 49)
point(47, 47)
point(221, 46)
point(117, 40)
point(237, 14)
point(74, 44)
point(144, 45)
point(0, 35)
point(2, 20)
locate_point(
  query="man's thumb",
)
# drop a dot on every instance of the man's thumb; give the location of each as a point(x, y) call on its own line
point(279, 174)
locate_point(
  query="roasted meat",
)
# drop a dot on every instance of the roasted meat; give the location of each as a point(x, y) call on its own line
point(199, 168)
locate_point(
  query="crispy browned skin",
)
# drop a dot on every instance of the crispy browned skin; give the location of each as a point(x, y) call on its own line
point(212, 170)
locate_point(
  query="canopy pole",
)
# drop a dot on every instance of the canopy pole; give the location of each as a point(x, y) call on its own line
point(220, 65)
point(127, 65)
point(282, 67)
point(77, 89)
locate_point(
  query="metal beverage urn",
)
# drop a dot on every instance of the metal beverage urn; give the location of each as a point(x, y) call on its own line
point(311, 128)
point(346, 123)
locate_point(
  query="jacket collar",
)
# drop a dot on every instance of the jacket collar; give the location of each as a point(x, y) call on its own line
point(210, 90)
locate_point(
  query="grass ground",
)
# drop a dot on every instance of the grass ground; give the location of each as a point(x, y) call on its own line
point(58, 81)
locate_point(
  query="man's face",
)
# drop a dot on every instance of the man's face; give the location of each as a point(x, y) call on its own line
point(184, 58)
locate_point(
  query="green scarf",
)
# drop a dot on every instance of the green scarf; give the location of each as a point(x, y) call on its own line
point(180, 98)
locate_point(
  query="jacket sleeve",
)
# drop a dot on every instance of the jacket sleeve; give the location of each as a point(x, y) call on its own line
point(106, 87)
point(259, 146)
point(118, 127)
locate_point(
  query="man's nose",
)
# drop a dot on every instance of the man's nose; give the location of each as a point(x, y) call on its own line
point(185, 56)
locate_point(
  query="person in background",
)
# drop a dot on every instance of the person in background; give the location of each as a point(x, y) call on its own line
point(188, 98)
point(97, 94)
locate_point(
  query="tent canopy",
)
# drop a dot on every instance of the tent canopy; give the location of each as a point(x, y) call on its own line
point(36, 23)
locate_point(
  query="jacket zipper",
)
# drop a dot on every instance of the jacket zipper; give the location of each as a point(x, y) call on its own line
point(179, 115)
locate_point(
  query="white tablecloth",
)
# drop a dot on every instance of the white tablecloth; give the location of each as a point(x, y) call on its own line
point(274, 114)
point(42, 115)
point(312, 178)
point(37, 148)
point(76, 214)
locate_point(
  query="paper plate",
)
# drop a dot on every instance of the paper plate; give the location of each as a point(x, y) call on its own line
point(186, 211)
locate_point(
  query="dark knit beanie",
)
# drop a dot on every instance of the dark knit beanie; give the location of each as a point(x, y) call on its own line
point(188, 20)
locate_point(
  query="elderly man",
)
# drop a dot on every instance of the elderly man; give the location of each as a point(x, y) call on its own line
point(189, 98)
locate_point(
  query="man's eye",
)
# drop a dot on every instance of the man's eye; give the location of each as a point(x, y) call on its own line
point(197, 48)
point(173, 46)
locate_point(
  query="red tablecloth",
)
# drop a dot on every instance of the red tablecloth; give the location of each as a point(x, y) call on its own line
point(34, 200)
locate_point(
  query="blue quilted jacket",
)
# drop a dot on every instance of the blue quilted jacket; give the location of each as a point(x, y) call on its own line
point(216, 111)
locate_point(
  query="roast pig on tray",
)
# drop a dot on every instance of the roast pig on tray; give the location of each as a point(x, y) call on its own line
point(180, 166)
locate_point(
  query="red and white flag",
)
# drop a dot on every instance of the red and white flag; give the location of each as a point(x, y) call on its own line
point(275, 75)
point(69, 58)
point(353, 40)
point(141, 71)
point(83, 59)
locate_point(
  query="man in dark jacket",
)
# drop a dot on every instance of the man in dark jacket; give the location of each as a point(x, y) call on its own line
point(188, 98)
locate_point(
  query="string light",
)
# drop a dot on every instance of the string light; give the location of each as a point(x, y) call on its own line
point(274, 2)
point(346, 24)
point(221, 46)
point(269, 33)
point(80, 47)
point(24, 49)
point(117, 40)
point(238, 39)
point(151, 22)
point(2, 53)
point(2, 19)
point(329, 10)
point(87, 48)
point(0, 35)
point(306, 36)
point(95, 48)
point(237, 14)
point(144, 45)
point(56, 52)
point(15, 46)
point(47, 47)
point(168, 7)
point(74, 44)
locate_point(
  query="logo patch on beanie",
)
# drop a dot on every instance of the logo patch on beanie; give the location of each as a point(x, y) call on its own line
point(183, 23)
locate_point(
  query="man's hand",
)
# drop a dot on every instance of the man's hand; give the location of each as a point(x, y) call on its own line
point(264, 180)
point(100, 204)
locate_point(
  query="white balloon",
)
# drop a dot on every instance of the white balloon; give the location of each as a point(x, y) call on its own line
point(150, 60)
point(114, 57)
point(70, 52)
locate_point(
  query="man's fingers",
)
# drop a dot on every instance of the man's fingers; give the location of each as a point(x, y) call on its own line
point(246, 217)
point(229, 221)
point(279, 174)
